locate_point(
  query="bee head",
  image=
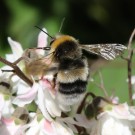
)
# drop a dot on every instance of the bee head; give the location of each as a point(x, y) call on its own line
point(65, 47)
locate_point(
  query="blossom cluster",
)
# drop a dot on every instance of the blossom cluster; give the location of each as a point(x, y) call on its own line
point(26, 110)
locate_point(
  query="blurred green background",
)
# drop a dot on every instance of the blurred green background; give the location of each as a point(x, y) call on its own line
point(90, 21)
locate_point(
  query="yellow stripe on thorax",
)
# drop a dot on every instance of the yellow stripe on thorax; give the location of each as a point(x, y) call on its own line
point(60, 40)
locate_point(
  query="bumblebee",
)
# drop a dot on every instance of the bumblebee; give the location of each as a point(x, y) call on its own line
point(74, 65)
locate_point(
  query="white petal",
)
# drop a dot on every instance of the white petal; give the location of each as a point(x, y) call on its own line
point(114, 127)
point(121, 111)
point(53, 108)
point(6, 68)
point(51, 104)
point(8, 108)
point(48, 101)
point(2, 103)
point(16, 48)
point(82, 121)
point(62, 129)
point(10, 57)
point(133, 80)
point(28, 97)
point(23, 88)
point(65, 108)
point(33, 130)
point(41, 104)
point(0, 72)
point(69, 121)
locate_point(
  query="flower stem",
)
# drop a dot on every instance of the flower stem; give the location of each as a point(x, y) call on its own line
point(17, 71)
point(129, 66)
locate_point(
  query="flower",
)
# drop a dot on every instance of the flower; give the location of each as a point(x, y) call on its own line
point(10, 126)
point(6, 106)
point(41, 126)
point(113, 120)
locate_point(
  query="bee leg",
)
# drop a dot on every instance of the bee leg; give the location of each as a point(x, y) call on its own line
point(54, 81)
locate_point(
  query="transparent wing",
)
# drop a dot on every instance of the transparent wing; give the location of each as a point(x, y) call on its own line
point(107, 51)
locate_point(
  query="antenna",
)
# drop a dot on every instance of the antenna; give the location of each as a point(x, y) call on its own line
point(62, 22)
point(45, 32)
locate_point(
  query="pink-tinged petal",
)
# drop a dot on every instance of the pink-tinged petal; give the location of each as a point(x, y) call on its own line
point(28, 97)
point(16, 48)
point(115, 100)
point(46, 84)
point(8, 127)
point(42, 40)
point(121, 109)
point(42, 127)
point(50, 102)
point(8, 121)
point(47, 127)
